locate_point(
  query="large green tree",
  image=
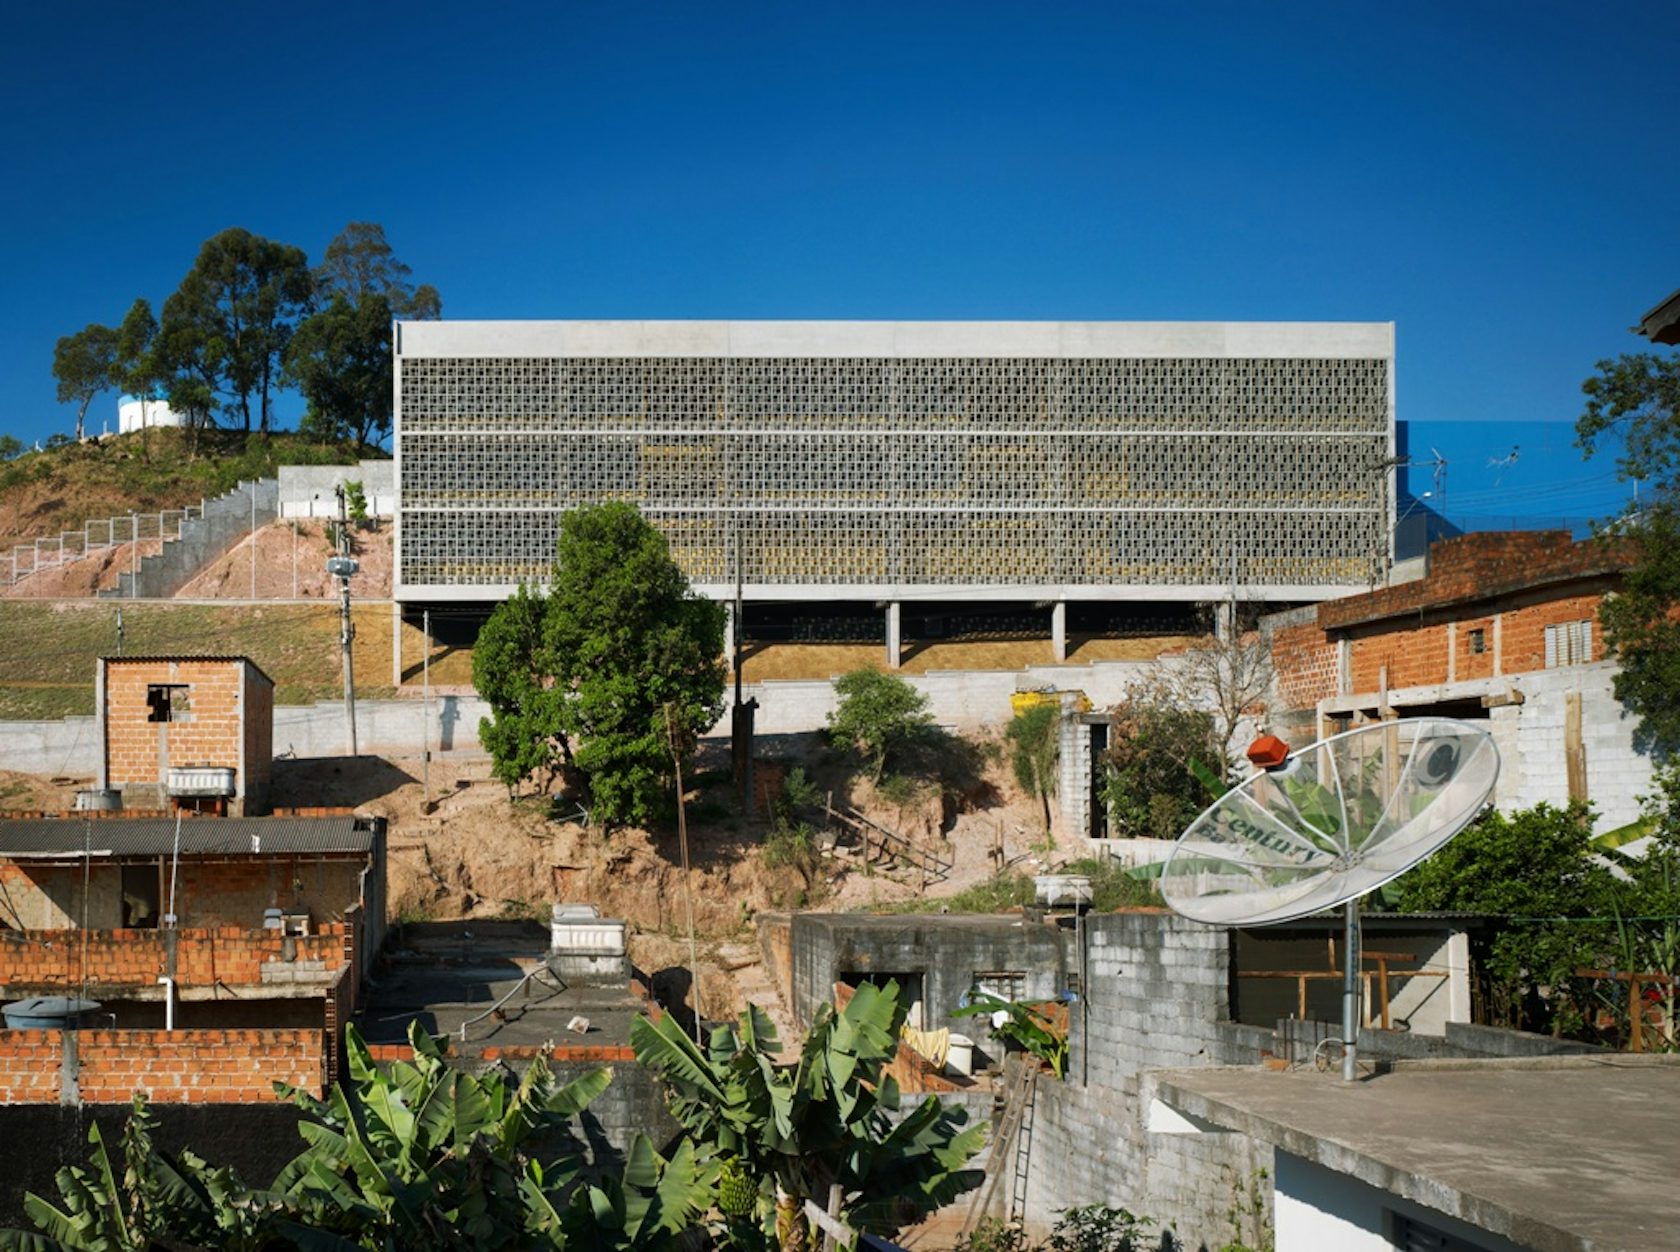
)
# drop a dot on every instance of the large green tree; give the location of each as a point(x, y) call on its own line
point(629, 662)
point(82, 364)
point(1636, 399)
point(340, 357)
point(226, 328)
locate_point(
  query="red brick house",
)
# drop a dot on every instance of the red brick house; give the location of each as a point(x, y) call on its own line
point(1502, 627)
point(186, 731)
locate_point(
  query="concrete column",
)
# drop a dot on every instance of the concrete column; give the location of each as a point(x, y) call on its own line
point(894, 636)
point(396, 643)
point(1222, 621)
point(1058, 630)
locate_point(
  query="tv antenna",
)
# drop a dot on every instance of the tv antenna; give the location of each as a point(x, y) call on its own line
point(1325, 826)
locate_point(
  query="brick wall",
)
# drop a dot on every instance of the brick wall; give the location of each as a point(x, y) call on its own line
point(1414, 657)
point(173, 1067)
point(40, 959)
point(196, 1066)
point(29, 1066)
point(225, 714)
point(1306, 665)
point(1480, 567)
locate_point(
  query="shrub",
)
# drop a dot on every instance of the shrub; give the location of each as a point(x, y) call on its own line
point(877, 714)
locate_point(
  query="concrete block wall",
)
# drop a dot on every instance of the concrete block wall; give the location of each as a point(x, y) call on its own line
point(311, 490)
point(226, 520)
point(1156, 997)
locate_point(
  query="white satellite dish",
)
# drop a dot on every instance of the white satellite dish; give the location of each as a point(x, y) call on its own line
point(1323, 826)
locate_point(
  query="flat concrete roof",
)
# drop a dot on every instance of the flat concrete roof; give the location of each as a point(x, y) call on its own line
point(446, 975)
point(819, 339)
point(1559, 1154)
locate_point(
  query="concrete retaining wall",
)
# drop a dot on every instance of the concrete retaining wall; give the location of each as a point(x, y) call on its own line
point(226, 520)
point(311, 490)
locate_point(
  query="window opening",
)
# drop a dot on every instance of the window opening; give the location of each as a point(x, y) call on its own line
point(1010, 984)
point(140, 896)
point(167, 702)
point(1478, 641)
point(1569, 643)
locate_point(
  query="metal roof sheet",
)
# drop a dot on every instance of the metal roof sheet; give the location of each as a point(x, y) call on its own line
point(54, 837)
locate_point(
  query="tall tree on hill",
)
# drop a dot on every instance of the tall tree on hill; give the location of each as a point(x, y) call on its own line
point(82, 365)
point(341, 354)
point(227, 326)
point(1637, 397)
point(629, 660)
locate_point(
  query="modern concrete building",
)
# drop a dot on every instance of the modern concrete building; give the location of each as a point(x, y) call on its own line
point(880, 467)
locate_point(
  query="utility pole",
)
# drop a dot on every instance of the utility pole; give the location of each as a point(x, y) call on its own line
point(688, 876)
point(342, 567)
point(426, 707)
point(741, 716)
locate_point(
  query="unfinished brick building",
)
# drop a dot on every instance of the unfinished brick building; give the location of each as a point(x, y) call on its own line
point(186, 731)
point(1502, 627)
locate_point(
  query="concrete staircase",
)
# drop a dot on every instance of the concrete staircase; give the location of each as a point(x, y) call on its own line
point(225, 520)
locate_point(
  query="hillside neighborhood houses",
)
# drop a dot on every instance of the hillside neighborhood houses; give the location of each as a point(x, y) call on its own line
point(1062, 514)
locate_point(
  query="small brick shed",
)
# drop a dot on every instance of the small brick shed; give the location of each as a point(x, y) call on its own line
point(158, 713)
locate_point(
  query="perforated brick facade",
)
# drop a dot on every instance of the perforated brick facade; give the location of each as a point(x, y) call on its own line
point(874, 459)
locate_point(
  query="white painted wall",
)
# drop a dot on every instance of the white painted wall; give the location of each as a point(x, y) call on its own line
point(1319, 1210)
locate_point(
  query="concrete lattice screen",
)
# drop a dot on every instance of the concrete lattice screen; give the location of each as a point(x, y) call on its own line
point(904, 472)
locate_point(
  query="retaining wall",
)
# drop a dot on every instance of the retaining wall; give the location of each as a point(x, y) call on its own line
point(311, 490)
point(226, 520)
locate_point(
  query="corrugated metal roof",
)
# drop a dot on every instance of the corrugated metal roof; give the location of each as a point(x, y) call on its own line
point(192, 656)
point(36, 838)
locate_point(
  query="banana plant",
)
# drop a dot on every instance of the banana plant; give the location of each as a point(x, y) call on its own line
point(649, 1210)
point(423, 1154)
point(831, 1117)
point(159, 1197)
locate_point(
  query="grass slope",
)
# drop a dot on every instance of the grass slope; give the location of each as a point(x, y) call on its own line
point(48, 649)
point(43, 493)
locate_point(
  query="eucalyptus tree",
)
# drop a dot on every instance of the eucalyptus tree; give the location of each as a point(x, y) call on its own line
point(82, 364)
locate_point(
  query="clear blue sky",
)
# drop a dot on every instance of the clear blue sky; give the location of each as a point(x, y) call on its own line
point(1497, 179)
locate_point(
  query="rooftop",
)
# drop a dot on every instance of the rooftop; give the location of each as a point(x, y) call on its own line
point(1561, 1153)
point(63, 837)
point(448, 974)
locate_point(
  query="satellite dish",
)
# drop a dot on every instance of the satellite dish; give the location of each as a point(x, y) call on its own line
point(1323, 826)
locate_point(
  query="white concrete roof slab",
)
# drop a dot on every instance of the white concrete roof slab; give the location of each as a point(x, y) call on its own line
point(1561, 1154)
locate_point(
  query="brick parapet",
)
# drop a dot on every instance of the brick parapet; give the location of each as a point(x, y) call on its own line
point(1472, 569)
point(170, 1067)
point(230, 956)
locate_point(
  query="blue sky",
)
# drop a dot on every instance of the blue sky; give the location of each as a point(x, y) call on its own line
point(1496, 179)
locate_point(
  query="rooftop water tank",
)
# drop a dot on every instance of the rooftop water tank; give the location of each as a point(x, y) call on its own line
point(49, 1013)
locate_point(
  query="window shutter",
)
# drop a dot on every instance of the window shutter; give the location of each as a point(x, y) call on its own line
point(1551, 646)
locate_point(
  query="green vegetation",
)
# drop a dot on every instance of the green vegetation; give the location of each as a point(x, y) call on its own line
point(1157, 763)
point(420, 1155)
point(1033, 736)
point(1023, 1025)
point(1637, 398)
point(789, 1133)
point(76, 483)
point(598, 678)
point(249, 319)
point(1087, 1228)
point(1565, 910)
point(878, 715)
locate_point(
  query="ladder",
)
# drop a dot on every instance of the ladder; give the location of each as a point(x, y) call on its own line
point(1006, 1144)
